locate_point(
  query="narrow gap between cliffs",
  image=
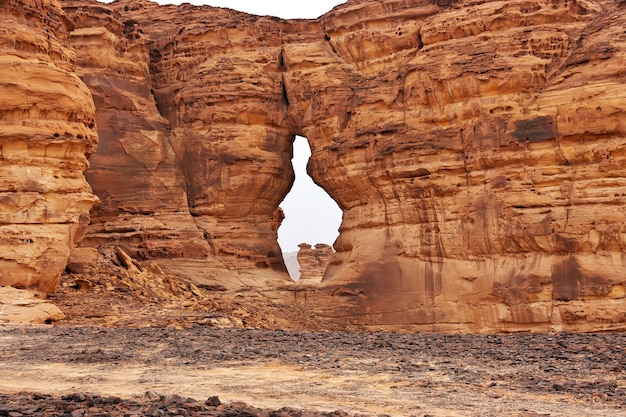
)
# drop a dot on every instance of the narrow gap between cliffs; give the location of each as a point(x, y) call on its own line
point(311, 215)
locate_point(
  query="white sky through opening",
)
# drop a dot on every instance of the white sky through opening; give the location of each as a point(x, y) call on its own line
point(311, 216)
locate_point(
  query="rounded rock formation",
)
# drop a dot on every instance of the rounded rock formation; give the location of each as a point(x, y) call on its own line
point(47, 130)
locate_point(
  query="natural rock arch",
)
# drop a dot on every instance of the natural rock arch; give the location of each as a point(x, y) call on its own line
point(474, 147)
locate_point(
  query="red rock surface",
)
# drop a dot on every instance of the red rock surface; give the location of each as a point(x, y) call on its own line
point(479, 166)
point(313, 261)
point(183, 194)
point(46, 130)
point(476, 149)
point(143, 203)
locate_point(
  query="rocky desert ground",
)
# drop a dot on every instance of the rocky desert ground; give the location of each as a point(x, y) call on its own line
point(476, 148)
point(85, 370)
point(119, 353)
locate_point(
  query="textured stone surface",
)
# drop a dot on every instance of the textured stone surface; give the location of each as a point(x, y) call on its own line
point(476, 149)
point(481, 170)
point(166, 199)
point(313, 261)
point(143, 202)
point(26, 307)
point(219, 82)
point(46, 131)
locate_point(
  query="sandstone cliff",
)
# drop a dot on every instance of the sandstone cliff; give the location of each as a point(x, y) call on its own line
point(46, 131)
point(476, 149)
point(313, 261)
point(477, 153)
point(143, 202)
point(152, 173)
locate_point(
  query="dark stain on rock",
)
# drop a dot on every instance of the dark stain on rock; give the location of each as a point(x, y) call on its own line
point(488, 133)
point(422, 173)
point(535, 130)
point(565, 244)
point(518, 287)
point(432, 281)
point(388, 278)
point(444, 3)
point(418, 192)
point(570, 283)
point(566, 279)
point(381, 278)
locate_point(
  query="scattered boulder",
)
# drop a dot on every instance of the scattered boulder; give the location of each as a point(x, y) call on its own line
point(27, 307)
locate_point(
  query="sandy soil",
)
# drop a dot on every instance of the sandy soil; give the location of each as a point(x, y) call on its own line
point(372, 374)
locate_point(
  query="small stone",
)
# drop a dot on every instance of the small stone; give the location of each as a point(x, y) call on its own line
point(78, 397)
point(213, 401)
point(153, 411)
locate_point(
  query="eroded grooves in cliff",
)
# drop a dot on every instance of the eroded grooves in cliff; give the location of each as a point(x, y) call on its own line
point(144, 209)
point(474, 178)
point(46, 134)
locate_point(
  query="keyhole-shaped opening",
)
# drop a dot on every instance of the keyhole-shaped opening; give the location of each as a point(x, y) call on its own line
point(311, 215)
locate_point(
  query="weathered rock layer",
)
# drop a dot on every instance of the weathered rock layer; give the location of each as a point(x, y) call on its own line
point(313, 261)
point(46, 131)
point(174, 185)
point(479, 163)
point(476, 148)
point(143, 202)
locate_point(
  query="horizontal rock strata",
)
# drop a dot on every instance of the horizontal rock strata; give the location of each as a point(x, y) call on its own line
point(143, 203)
point(153, 173)
point(476, 149)
point(46, 131)
point(479, 163)
point(313, 261)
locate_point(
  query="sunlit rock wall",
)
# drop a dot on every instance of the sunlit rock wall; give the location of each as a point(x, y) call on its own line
point(135, 173)
point(189, 174)
point(46, 131)
point(476, 149)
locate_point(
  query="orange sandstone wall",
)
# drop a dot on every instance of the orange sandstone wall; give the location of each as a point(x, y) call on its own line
point(46, 131)
point(476, 148)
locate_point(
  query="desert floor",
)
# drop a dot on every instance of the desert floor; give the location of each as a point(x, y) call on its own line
point(357, 373)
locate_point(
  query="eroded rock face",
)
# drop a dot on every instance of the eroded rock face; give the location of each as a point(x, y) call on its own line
point(218, 79)
point(197, 187)
point(476, 149)
point(143, 200)
point(313, 261)
point(488, 169)
point(477, 152)
point(46, 131)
